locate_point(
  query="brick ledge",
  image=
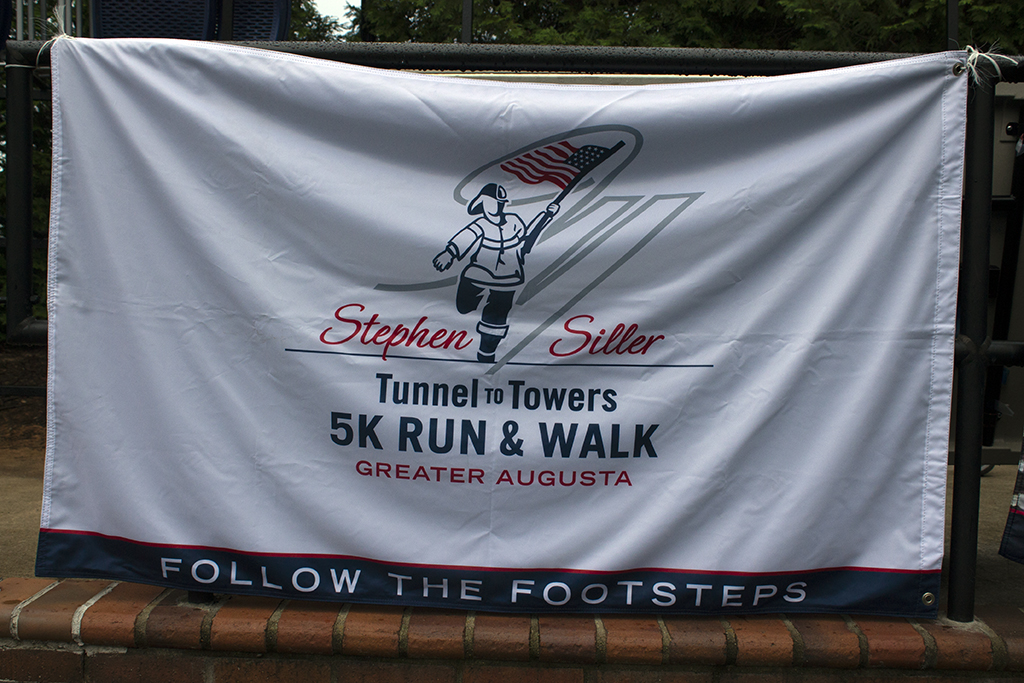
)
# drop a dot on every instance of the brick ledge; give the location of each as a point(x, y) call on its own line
point(61, 625)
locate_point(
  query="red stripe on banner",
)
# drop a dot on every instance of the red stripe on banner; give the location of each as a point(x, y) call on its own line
point(564, 172)
point(566, 145)
point(551, 154)
point(549, 158)
point(532, 178)
point(540, 168)
point(594, 572)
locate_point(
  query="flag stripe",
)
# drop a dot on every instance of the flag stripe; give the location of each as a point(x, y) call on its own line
point(533, 173)
point(551, 154)
point(545, 164)
point(529, 166)
point(540, 164)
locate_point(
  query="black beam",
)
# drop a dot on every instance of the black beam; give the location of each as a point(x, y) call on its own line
point(558, 58)
point(575, 58)
point(1000, 353)
point(1005, 354)
point(10, 390)
point(1010, 72)
point(22, 328)
point(972, 321)
point(541, 58)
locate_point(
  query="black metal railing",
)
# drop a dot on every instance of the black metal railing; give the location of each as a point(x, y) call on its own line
point(975, 351)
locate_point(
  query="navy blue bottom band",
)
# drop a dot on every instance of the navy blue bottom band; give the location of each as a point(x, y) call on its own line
point(340, 579)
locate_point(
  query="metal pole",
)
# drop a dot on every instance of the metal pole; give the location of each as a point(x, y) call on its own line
point(467, 21)
point(972, 316)
point(365, 34)
point(19, 197)
point(227, 20)
point(952, 24)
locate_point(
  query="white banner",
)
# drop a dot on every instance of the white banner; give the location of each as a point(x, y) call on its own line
point(330, 332)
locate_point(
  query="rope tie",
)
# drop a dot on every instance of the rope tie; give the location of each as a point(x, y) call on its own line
point(991, 57)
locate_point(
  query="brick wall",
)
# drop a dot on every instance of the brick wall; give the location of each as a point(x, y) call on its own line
point(85, 630)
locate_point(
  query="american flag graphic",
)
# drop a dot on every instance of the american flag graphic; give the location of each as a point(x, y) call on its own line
point(558, 163)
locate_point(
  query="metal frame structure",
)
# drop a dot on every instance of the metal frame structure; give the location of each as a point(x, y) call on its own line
point(975, 351)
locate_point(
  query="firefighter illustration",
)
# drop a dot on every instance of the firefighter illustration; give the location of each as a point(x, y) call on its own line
point(493, 246)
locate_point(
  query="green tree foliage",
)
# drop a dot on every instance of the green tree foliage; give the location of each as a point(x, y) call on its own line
point(999, 24)
point(714, 23)
point(308, 24)
point(848, 25)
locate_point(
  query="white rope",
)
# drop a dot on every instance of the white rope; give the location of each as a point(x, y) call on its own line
point(973, 57)
point(59, 12)
point(58, 18)
point(47, 45)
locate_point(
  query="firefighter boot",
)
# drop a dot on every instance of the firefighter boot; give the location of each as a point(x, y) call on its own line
point(488, 344)
point(490, 336)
